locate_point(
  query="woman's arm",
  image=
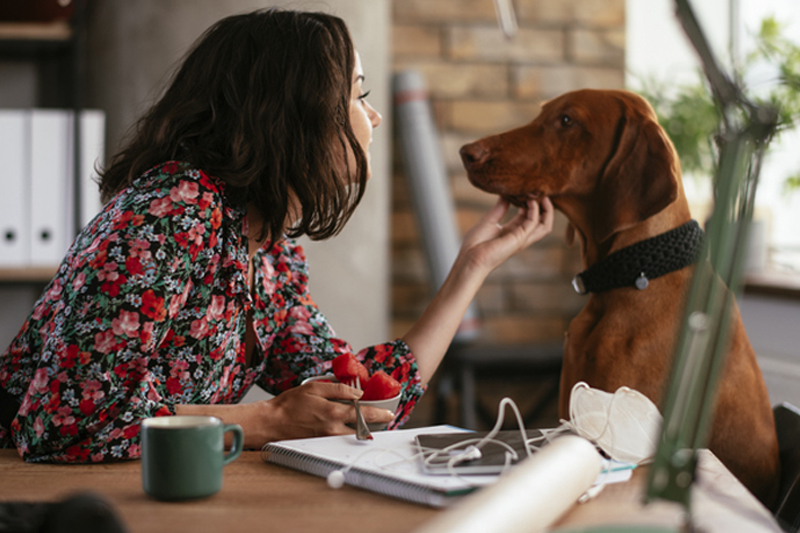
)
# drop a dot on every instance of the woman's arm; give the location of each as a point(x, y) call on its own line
point(484, 248)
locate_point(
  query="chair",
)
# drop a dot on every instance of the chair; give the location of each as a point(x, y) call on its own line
point(468, 356)
point(787, 504)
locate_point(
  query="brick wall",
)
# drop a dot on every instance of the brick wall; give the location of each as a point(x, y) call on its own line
point(480, 83)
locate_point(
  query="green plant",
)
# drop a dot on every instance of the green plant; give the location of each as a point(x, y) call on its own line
point(691, 117)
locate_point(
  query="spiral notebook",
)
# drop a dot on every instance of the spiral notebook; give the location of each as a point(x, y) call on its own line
point(392, 465)
point(388, 465)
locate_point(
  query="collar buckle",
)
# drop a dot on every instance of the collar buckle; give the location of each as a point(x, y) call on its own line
point(578, 285)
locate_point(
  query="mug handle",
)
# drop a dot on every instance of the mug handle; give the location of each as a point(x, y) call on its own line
point(238, 442)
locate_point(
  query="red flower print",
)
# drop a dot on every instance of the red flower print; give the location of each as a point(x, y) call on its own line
point(71, 356)
point(173, 386)
point(123, 220)
point(300, 313)
point(134, 451)
point(182, 239)
point(170, 167)
point(160, 207)
point(217, 307)
point(180, 370)
point(54, 292)
point(86, 407)
point(79, 281)
point(146, 335)
point(105, 342)
point(63, 416)
point(133, 266)
point(38, 426)
point(216, 218)
point(185, 192)
point(130, 431)
point(199, 328)
point(112, 289)
point(40, 382)
point(175, 304)
point(126, 325)
point(204, 202)
point(153, 306)
point(77, 454)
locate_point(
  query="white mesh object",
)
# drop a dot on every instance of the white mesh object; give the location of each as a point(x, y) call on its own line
point(626, 424)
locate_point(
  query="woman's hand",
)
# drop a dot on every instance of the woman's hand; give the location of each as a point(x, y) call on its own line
point(304, 411)
point(307, 411)
point(489, 244)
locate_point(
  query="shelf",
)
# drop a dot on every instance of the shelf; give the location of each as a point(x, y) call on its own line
point(35, 31)
point(774, 284)
point(27, 274)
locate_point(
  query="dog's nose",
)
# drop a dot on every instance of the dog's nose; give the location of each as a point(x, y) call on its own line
point(473, 154)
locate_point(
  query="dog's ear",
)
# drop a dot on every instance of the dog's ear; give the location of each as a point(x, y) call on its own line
point(640, 179)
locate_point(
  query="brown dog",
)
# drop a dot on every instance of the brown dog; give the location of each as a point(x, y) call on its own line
point(610, 168)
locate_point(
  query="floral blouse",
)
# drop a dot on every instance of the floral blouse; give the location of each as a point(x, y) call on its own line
point(148, 310)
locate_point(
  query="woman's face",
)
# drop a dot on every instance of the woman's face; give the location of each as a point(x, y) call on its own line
point(363, 116)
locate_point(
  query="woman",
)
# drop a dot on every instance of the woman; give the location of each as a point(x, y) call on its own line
point(188, 288)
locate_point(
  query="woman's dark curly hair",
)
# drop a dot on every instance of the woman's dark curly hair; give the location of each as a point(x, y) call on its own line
point(261, 102)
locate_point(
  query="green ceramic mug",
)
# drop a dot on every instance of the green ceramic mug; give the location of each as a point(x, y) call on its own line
point(183, 456)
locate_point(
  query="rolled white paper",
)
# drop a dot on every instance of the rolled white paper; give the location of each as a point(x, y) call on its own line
point(530, 497)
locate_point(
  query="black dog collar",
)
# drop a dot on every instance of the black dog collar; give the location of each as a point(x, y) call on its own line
point(636, 265)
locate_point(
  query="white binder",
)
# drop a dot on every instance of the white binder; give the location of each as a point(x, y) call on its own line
point(15, 158)
point(93, 132)
point(51, 188)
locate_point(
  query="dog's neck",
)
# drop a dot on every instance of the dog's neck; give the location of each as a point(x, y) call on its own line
point(593, 251)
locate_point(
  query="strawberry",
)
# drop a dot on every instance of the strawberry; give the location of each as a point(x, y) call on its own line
point(347, 368)
point(381, 386)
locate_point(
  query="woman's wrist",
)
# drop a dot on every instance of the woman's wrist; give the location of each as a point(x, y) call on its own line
point(251, 416)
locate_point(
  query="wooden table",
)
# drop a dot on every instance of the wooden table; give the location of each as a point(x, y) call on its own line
point(720, 504)
point(255, 497)
point(261, 497)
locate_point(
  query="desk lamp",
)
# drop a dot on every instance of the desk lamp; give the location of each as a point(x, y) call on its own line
point(745, 132)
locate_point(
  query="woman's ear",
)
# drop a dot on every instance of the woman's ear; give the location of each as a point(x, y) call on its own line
point(640, 179)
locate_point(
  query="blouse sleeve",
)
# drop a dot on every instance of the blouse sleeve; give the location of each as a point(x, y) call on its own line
point(304, 343)
point(102, 318)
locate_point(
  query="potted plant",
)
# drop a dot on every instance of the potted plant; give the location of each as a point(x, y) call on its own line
point(691, 117)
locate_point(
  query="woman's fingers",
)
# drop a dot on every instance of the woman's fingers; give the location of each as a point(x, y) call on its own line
point(532, 222)
point(497, 212)
point(338, 410)
point(333, 391)
point(375, 415)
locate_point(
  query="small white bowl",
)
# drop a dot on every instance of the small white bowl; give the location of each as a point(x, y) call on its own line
point(389, 404)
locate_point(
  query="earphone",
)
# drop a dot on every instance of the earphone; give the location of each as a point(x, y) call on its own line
point(470, 453)
point(336, 479)
point(464, 451)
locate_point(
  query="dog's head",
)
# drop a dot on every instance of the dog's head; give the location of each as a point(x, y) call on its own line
point(603, 150)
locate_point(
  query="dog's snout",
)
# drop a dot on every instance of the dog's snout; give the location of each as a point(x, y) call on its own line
point(473, 154)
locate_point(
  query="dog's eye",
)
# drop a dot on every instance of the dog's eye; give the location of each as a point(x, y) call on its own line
point(566, 121)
